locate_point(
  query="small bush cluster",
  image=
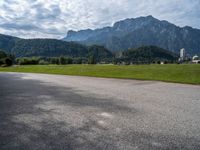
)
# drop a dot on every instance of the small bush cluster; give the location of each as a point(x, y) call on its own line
point(28, 61)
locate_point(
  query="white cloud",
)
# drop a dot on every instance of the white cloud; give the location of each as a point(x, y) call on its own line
point(53, 18)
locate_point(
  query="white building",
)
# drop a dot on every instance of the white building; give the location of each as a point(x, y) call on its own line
point(196, 59)
point(182, 54)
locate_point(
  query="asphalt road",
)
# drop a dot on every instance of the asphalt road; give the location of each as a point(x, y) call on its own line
point(45, 112)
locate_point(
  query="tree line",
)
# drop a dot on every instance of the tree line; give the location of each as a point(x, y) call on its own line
point(98, 54)
point(62, 60)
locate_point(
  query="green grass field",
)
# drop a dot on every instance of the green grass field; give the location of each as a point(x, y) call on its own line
point(170, 73)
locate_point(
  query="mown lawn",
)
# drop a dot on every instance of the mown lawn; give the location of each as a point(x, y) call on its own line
point(170, 73)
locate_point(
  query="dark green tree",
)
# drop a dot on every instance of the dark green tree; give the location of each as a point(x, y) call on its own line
point(8, 61)
point(62, 60)
point(91, 60)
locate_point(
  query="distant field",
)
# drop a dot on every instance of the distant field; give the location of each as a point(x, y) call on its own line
point(169, 73)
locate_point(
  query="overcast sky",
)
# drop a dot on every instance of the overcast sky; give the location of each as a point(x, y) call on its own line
point(53, 18)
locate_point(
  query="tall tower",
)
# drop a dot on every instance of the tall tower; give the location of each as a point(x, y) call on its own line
point(182, 54)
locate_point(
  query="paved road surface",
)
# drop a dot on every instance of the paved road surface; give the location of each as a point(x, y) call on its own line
point(45, 112)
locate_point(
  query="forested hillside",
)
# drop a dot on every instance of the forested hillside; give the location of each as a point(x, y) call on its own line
point(50, 48)
point(148, 54)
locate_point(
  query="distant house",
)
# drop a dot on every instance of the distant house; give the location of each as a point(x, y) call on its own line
point(162, 62)
point(182, 54)
point(182, 57)
point(196, 59)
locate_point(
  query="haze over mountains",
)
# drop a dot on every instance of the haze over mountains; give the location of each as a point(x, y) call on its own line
point(142, 31)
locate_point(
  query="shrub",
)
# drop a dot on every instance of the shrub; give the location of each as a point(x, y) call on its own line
point(43, 62)
point(77, 61)
point(53, 60)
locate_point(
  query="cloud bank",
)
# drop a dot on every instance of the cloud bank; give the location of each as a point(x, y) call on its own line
point(53, 18)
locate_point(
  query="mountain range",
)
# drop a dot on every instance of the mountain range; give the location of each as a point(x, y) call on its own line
point(142, 31)
point(123, 35)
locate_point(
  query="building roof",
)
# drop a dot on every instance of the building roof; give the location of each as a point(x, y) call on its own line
point(195, 57)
